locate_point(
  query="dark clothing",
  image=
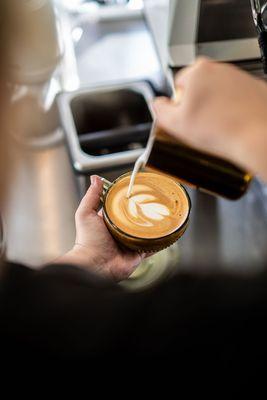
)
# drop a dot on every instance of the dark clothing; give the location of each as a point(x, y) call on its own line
point(64, 311)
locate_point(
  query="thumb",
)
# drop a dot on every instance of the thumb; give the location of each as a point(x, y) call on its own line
point(167, 114)
point(91, 200)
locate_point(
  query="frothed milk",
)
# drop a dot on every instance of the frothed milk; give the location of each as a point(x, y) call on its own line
point(157, 207)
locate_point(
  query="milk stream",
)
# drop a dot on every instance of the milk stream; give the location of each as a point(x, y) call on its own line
point(142, 160)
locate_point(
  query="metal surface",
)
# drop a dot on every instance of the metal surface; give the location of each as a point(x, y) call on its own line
point(157, 16)
point(118, 103)
point(186, 29)
point(256, 13)
point(42, 202)
point(115, 48)
point(226, 235)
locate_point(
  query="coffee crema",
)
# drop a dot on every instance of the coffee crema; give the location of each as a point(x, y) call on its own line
point(158, 206)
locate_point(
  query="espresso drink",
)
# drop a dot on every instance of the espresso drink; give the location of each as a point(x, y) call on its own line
point(157, 207)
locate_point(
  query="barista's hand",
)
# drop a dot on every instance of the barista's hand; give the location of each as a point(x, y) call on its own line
point(95, 249)
point(223, 110)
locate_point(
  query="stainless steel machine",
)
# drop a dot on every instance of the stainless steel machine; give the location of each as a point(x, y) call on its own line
point(221, 29)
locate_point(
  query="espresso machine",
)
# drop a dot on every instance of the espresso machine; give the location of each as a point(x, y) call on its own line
point(223, 30)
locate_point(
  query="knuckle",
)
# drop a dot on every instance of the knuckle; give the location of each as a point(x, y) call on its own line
point(202, 62)
point(203, 66)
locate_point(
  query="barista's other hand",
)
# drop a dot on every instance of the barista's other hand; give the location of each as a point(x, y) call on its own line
point(95, 249)
point(222, 110)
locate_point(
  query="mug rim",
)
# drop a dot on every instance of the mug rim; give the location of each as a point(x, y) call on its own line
point(140, 238)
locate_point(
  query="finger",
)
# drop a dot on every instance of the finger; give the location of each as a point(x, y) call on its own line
point(182, 77)
point(124, 270)
point(132, 264)
point(168, 115)
point(91, 200)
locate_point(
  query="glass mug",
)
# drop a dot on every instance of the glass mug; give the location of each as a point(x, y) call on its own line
point(136, 243)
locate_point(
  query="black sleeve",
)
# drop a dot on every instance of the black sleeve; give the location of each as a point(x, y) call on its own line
point(64, 311)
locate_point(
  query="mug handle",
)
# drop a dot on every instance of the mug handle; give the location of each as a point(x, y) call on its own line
point(106, 186)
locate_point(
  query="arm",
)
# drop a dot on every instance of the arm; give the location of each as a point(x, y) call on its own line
point(62, 312)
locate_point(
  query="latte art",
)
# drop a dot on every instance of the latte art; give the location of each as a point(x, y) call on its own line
point(157, 206)
point(145, 205)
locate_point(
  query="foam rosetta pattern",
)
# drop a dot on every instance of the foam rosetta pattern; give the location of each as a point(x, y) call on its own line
point(156, 208)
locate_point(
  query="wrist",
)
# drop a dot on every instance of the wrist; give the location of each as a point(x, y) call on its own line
point(77, 255)
point(81, 256)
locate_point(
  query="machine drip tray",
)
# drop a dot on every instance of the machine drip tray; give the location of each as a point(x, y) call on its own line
point(111, 122)
point(106, 127)
point(115, 140)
